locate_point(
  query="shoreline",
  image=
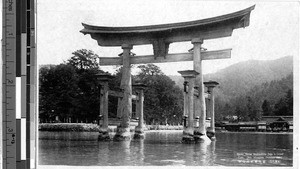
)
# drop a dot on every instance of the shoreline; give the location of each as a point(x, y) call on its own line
point(229, 132)
point(84, 127)
point(253, 132)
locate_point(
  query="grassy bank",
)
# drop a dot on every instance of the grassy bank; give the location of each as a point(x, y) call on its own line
point(68, 127)
point(84, 127)
point(163, 127)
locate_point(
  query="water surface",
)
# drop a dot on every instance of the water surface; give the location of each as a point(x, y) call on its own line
point(165, 148)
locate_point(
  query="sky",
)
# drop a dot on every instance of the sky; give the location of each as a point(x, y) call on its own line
point(273, 31)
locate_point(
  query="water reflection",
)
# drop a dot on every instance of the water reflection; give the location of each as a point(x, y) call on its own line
point(213, 151)
point(124, 152)
point(165, 148)
point(203, 154)
point(138, 148)
point(104, 150)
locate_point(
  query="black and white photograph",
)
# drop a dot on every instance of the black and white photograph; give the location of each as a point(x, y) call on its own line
point(175, 83)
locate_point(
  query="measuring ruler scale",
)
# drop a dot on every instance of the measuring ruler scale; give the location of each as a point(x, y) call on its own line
point(19, 92)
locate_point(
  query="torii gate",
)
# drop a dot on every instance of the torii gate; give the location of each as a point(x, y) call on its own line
point(160, 36)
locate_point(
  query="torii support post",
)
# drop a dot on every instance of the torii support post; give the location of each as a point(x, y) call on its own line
point(200, 107)
point(189, 78)
point(103, 133)
point(185, 100)
point(210, 88)
point(139, 130)
point(123, 130)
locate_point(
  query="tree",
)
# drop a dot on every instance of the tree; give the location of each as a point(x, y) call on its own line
point(84, 59)
point(85, 63)
point(266, 108)
point(58, 88)
point(71, 89)
point(250, 108)
point(238, 113)
point(218, 109)
point(163, 99)
point(149, 70)
point(284, 107)
point(280, 108)
point(227, 112)
point(88, 96)
point(289, 102)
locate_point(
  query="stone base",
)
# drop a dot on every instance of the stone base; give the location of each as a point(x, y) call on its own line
point(103, 135)
point(188, 136)
point(139, 136)
point(200, 137)
point(139, 133)
point(188, 139)
point(211, 135)
point(197, 133)
point(122, 134)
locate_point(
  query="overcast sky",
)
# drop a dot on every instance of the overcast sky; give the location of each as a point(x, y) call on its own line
point(273, 30)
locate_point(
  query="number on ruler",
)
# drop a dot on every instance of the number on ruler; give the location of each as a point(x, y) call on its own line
point(10, 81)
point(10, 7)
point(10, 130)
point(13, 139)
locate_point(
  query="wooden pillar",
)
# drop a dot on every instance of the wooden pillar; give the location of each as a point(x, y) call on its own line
point(119, 108)
point(185, 99)
point(139, 130)
point(141, 109)
point(137, 105)
point(189, 79)
point(207, 103)
point(105, 105)
point(200, 107)
point(210, 86)
point(103, 132)
point(191, 104)
point(123, 130)
point(101, 104)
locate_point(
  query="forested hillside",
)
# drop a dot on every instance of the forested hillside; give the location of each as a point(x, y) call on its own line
point(241, 77)
point(249, 84)
point(269, 98)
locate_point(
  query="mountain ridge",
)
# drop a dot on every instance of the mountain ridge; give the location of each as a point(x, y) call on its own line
point(239, 78)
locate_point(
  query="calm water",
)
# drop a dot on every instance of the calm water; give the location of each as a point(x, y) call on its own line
point(164, 148)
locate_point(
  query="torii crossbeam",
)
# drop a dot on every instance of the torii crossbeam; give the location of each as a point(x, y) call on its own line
point(180, 57)
point(160, 36)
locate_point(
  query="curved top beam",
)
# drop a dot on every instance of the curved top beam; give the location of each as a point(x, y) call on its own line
point(210, 28)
